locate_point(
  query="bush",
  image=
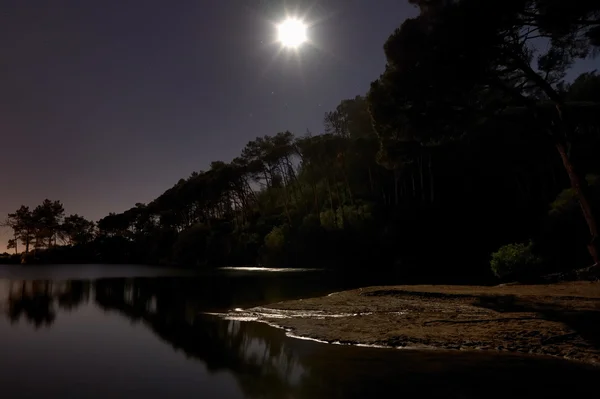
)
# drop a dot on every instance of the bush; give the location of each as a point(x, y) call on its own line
point(515, 261)
point(275, 240)
point(276, 250)
point(328, 220)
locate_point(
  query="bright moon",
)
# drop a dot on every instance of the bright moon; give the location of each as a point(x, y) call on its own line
point(292, 32)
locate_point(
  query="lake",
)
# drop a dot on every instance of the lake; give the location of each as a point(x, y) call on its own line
point(107, 331)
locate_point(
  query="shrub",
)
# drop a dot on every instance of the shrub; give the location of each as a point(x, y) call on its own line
point(328, 220)
point(276, 249)
point(515, 260)
point(275, 240)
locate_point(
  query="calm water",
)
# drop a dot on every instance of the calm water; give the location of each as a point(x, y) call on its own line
point(133, 332)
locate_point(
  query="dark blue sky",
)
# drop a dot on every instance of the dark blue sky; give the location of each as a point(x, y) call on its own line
point(107, 103)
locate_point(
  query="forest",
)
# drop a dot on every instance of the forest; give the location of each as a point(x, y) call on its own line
point(471, 155)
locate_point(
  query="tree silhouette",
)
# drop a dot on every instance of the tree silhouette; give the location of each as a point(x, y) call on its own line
point(442, 81)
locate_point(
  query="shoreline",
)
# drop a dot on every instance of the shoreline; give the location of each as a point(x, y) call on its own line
point(559, 320)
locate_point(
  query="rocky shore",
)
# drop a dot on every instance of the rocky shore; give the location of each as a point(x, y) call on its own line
point(561, 320)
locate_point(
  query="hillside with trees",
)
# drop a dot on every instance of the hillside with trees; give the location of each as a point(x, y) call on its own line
point(468, 144)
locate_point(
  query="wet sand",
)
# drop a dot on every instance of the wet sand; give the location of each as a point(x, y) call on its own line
point(561, 320)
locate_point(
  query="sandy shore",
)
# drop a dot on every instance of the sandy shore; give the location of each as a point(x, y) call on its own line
point(559, 320)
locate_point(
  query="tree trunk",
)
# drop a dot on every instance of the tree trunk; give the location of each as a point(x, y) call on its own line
point(286, 196)
point(291, 171)
point(285, 202)
point(349, 189)
point(581, 189)
point(579, 186)
point(317, 207)
point(341, 205)
point(345, 176)
point(331, 201)
point(287, 212)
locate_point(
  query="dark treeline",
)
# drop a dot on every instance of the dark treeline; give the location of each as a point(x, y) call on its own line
point(466, 143)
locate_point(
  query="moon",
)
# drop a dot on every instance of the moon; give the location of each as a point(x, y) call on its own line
point(292, 33)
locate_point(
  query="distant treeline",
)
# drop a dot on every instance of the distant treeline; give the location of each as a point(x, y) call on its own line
point(463, 145)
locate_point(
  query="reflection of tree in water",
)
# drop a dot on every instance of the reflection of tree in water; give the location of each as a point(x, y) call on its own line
point(34, 301)
point(256, 354)
point(73, 293)
point(266, 364)
point(31, 300)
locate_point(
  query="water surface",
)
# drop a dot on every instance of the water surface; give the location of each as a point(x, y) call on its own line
point(126, 331)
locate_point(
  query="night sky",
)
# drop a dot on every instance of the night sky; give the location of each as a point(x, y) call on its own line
point(107, 103)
